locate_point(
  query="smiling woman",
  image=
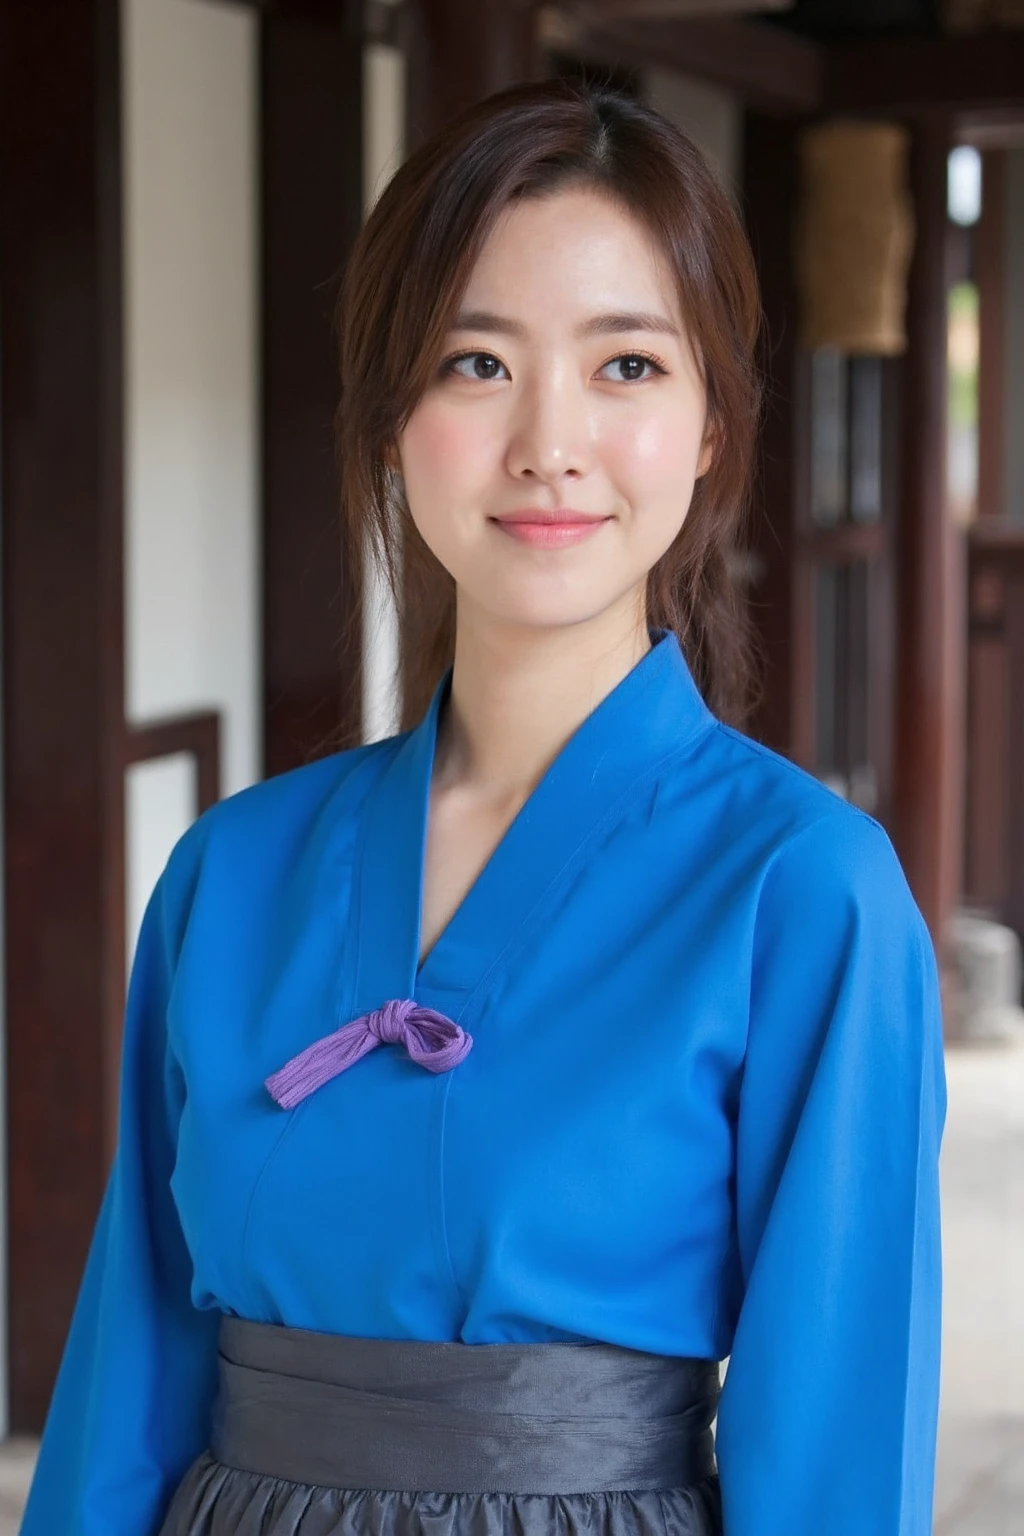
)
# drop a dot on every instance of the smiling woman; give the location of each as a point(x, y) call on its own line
point(487, 1086)
point(546, 438)
point(554, 306)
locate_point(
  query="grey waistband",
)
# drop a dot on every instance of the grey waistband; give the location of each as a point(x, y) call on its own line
point(343, 1412)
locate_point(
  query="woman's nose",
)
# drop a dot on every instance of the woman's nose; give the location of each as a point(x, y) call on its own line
point(551, 431)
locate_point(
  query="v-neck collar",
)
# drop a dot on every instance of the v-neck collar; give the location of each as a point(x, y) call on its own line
point(655, 712)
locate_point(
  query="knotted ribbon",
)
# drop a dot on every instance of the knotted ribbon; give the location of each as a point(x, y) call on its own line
point(432, 1041)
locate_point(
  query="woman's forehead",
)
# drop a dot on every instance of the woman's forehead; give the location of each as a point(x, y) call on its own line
point(576, 253)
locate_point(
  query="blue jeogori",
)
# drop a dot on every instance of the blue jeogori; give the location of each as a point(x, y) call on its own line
point(701, 1114)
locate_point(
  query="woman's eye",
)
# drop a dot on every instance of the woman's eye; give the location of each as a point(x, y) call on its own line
point(473, 365)
point(484, 367)
point(631, 366)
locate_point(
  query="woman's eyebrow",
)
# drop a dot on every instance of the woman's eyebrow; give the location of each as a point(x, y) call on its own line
point(597, 325)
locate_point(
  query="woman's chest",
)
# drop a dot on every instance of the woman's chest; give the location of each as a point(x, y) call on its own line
point(461, 836)
point(592, 1117)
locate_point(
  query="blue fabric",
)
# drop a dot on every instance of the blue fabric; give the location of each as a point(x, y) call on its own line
point(701, 1115)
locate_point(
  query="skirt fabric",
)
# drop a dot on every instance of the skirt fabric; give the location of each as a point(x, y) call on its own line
point(326, 1435)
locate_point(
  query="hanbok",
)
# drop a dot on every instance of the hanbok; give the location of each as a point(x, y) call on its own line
point(669, 1086)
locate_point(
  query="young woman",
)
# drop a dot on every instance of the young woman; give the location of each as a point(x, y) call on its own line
point(485, 1087)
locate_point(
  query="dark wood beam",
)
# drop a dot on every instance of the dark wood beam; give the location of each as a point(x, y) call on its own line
point(995, 128)
point(992, 391)
point(931, 618)
point(311, 74)
point(375, 19)
point(995, 785)
point(676, 10)
point(846, 544)
point(961, 74)
point(460, 51)
point(999, 538)
point(61, 430)
point(778, 594)
point(770, 70)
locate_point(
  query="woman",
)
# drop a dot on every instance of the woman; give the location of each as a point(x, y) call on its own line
point(496, 1081)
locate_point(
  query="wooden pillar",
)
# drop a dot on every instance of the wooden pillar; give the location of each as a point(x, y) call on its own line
point(991, 238)
point(931, 638)
point(311, 117)
point(782, 612)
point(61, 456)
point(461, 51)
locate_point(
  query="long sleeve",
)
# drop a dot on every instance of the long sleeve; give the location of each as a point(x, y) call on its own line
point(131, 1405)
point(828, 1412)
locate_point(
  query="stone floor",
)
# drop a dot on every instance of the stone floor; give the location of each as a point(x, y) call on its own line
point(16, 1459)
point(980, 1479)
point(980, 1475)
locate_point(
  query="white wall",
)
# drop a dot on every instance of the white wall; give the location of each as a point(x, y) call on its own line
point(190, 146)
point(1014, 490)
point(712, 118)
point(383, 150)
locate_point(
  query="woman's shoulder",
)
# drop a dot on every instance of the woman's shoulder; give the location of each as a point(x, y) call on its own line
point(250, 835)
point(809, 837)
point(833, 921)
point(299, 792)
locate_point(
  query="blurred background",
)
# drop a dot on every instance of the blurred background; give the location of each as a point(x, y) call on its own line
point(179, 183)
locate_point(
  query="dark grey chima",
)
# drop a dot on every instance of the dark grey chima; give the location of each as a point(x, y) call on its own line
point(325, 1435)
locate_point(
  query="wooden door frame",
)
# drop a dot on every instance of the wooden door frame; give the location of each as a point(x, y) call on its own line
point(311, 202)
point(61, 435)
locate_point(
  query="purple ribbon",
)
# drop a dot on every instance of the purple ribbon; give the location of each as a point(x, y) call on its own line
point(431, 1039)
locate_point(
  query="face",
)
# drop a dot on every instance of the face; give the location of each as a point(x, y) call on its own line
point(567, 391)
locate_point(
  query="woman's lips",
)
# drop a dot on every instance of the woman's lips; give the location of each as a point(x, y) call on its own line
point(548, 533)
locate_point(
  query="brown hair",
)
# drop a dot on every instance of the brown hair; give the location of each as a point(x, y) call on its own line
point(405, 277)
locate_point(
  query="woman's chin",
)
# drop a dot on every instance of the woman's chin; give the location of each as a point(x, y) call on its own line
point(537, 610)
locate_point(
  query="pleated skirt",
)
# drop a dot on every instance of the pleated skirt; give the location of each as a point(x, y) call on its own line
point(326, 1435)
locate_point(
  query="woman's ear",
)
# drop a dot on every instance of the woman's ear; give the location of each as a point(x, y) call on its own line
point(708, 450)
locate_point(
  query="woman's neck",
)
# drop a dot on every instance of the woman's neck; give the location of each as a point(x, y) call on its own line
point(518, 695)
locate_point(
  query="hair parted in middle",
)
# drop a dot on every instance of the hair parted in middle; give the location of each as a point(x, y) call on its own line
point(403, 283)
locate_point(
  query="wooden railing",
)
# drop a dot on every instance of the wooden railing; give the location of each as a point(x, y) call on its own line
point(196, 734)
point(994, 866)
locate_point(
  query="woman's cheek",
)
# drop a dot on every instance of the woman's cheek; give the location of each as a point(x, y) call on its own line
point(448, 480)
point(654, 452)
point(432, 441)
